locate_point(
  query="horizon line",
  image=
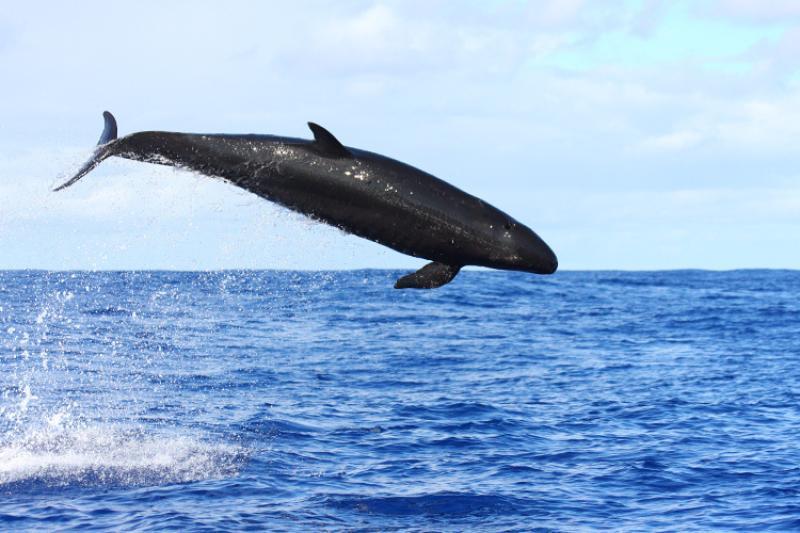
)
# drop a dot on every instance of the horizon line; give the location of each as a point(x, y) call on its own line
point(469, 268)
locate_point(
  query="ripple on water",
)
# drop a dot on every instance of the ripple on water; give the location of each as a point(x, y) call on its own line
point(302, 401)
point(438, 504)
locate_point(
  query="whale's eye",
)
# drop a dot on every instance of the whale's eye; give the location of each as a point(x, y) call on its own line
point(507, 225)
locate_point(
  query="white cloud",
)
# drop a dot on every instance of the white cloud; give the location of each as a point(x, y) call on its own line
point(557, 12)
point(759, 10)
point(394, 41)
point(774, 63)
point(769, 126)
point(679, 140)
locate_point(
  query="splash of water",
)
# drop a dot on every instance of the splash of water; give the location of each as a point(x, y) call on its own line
point(59, 401)
point(109, 455)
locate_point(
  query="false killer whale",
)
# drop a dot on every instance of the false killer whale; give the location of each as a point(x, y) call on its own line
point(360, 192)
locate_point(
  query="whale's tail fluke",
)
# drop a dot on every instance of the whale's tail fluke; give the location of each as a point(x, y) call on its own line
point(102, 151)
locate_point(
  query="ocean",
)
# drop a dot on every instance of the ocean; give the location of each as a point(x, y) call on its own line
point(261, 400)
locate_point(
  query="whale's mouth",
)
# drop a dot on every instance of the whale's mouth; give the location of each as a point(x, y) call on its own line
point(540, 265)
point(530, 253)
point(544, 263)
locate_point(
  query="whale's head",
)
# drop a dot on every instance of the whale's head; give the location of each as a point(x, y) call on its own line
point(524, 250)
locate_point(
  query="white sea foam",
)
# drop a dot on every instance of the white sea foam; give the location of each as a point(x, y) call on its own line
point(109, 455)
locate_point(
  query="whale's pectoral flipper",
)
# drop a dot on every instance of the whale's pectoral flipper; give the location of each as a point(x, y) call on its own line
point(326, 144)
point(430, 276)
point(101, 152)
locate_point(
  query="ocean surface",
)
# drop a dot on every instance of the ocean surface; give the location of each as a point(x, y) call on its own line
point(301, 401)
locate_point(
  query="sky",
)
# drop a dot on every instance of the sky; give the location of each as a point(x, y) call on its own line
point(628, 134)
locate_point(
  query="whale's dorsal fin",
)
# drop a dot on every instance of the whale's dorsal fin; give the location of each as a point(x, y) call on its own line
point(326, 143)
point(430, 276)
point(109, 129)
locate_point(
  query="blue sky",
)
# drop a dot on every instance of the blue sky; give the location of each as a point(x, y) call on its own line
point(628, 134)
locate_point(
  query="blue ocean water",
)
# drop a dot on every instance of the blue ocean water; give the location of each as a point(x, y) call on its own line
point(503, 401)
